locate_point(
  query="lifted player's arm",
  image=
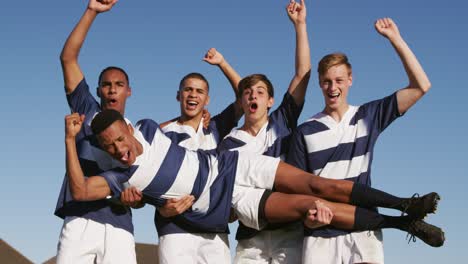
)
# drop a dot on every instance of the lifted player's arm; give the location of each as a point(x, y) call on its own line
point(419, 83)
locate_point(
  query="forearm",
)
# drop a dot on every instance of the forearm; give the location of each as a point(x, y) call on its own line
point(76, 39)
point(300, 81)
point(416, 75)
point(302, 64)
point(230, 74)
point(77, 181)
point(83, 189)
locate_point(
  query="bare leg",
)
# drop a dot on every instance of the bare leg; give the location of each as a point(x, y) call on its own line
point(281, 207)
point(289, 179)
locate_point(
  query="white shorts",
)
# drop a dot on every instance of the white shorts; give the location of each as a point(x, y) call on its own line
point(357, 247)
point(255, 174)
point(194, 248)
point(88, 242)
point(272, 246)
point(256, 171)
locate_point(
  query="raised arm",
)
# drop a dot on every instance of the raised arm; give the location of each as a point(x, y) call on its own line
point(297, 14)
point(214, 57)
point(419, 83)
point(72, 73)
point(82, 189)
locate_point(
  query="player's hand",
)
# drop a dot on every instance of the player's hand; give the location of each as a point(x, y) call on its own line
point(132, 197)
point(175, 207)
point(318, 217)
point(213, 57)
point(387, 28)
point(206, 118)
point(100, 6)
point(297, 13)
point(73, 124)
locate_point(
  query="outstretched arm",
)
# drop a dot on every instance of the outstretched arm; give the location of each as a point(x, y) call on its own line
point(297, 14)
point(214, 57)
point(419, 83)
point(82, 189)
point(72, 73)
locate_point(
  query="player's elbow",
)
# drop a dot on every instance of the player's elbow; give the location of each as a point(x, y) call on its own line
point(303, 73)
point(79, 193)
point(79, 196)
point(67, 57)
point(425, 86)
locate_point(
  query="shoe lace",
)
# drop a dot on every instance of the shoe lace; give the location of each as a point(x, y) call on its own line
point(409, 203)
point(410, 236)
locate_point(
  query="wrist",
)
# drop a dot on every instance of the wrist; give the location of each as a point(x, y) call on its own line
point(91, 11)
point(300, 24)
point(70, 139)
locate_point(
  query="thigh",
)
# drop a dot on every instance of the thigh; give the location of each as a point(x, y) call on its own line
point(213, 248)
point(366, 247)
point(178, 248)
point(119, 246)
point(255, 250)
point(318, 250)
point(287, 244)
point(246, 204)
point(257, 171)
point(80, 241)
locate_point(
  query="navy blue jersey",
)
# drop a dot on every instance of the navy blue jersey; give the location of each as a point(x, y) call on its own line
point(272, 140)
point(202, 139)
point(93, 161)
point(165, 170)
point(342, 150)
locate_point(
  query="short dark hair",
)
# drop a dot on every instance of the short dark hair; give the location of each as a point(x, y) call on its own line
point(104, 119)
point(113, 68)
point(253, 79)
point(194, 75)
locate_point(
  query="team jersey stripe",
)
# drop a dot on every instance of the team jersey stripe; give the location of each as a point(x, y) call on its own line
point(329, 138)
point(345, 151)
point(141, 179)
point(180, 163)
point(345, 168)
point(202, 187)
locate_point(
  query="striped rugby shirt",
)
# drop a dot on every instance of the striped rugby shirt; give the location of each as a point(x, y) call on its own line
point(93, 161)
point(272, 140)
point(203, 139)
point(165, 170)
point(342, 150)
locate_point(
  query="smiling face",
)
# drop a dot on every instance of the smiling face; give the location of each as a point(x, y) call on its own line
point(113, 90)
point(335, 84)
point(118, 140)
point(255, 102)
point(193, 97)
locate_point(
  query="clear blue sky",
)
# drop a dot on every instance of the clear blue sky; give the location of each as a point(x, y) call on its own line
point(160, 41)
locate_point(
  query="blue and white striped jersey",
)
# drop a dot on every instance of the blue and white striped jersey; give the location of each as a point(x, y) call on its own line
point(202, 139)
point(342, 150)
point(93, 161)
point(272, 140)
point(165, 170)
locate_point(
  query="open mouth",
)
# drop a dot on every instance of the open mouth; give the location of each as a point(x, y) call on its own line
point(124, 158)
point(112, 101)
point(253, 107)
point(333, 95)
point(192, 104)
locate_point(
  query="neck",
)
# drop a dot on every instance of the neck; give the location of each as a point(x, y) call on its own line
point(253, 127)
point(194, 121)
point(336, 113)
